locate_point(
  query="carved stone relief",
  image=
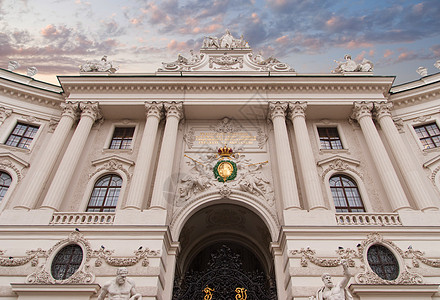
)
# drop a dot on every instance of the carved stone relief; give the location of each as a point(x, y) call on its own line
point(112, 163)
point(367, 276)
point(250, 178)
point(42, 275)
point(81, 276)
point(4, 114)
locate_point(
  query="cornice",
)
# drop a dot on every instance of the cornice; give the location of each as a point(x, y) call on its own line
point(30, 94)
point(304, 84)
point(416, 95)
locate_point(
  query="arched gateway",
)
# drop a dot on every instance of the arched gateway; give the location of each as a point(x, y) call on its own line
point(225, 253)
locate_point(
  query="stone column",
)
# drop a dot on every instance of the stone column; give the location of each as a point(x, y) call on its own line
point(414, 182)
point(57, 190)
point(307, 162)
point(40, 171)
point(286, 172)
point(143, 167)
point(387, 174)
point(161, 194)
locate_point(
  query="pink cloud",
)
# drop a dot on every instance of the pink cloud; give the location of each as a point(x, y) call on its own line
point(371, 52)
point(49, 30)
point(361, 56)
point(388, 53)
point(282, 40)
point(355, 44)
point(175, 45)
point(332, 21)
point(255, 18)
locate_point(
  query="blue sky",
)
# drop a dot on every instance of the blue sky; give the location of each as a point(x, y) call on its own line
point(57, 36)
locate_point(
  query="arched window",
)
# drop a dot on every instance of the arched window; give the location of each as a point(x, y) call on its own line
point(67, 262)
point(383, 262)
point(346, 194)
point(105, 194)
point(5, 183)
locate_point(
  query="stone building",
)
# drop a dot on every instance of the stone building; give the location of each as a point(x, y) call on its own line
point(222, 175)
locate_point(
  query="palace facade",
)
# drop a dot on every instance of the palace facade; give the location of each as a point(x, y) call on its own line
point(222, 175)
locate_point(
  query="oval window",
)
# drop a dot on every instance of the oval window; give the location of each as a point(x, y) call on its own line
point(67, 262)
point(383, 262)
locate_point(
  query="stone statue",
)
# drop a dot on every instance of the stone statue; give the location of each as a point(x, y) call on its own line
point(13, 65)
point(98, 66)
point(120, 288)
point(422, 71)
point(365, 66)
point(437, 64)
point(31, 71)
point(331, 291)
point(348, 65)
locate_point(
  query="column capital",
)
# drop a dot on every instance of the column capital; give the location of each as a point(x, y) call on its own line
point(154, 109)
point(174, 109)
point(70, 109)
point(382, 109)
point(90, 109)
point(361, 110)
point(297, 109)
point(277, 109)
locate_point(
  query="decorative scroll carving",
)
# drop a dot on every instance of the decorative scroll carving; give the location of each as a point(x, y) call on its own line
point(350, 65)
point(154, 109)
point(98, 66)
point(338, 163)
point(182, 63)
point(399, 125)
point(226, 125)
point(261, 138)
point(297, 109)
point(308, 255)
point(82, 275)
point(418, 256)
point(31, 256)
point(4, 114)
point(53, 125)
point(227, 41)
point(269, 64)
point(189, 138)
point(112, 165)
point(106, 255)
point(405, 277)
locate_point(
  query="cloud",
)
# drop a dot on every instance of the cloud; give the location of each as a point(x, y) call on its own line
point(388, 53)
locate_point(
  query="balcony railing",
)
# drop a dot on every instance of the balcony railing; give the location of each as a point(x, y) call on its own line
point(368, 219)
point(83, 218)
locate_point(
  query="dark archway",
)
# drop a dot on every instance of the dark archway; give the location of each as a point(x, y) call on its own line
point(224, 253)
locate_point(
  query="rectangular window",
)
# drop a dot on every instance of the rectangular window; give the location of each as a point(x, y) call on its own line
point(329, 138)
point(22, 135)
point(429, 135)
point(122, 138)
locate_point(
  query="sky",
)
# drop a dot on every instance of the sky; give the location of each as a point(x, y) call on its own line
point(57, 36)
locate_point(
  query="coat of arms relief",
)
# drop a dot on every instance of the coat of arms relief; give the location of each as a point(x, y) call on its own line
point(225, 157)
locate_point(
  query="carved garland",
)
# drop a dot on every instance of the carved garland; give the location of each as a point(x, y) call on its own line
point(417, 256)
point(31, 256)
point(139, 255)
point(367, 276)
point(308, 255)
